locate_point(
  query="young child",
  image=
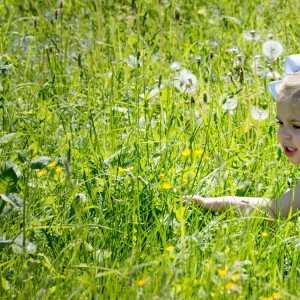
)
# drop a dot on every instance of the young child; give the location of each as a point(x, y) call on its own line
point(287, 95)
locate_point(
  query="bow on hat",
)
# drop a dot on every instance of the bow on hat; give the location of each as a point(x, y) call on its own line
point(292, 65)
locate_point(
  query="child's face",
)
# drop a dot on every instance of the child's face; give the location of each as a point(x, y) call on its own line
point(289, 130)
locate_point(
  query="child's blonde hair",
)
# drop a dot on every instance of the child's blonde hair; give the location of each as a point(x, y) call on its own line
point(289, 90)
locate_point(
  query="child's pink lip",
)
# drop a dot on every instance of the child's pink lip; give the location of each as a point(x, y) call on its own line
point(289, 151)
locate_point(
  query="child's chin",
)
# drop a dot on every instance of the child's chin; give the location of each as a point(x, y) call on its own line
point(296, 163)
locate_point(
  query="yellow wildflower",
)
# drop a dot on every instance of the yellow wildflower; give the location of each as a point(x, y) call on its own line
point(58, 170)
point(206, 158)
point(222, 272)
point(141, 282)
point(229, 285)
point(161, 176)
point(235, 277)
point(52, 165)
point(199, 151)
point(42, 172)
point(186, 152)
point(264, 234)
point(122, 170)
point(277, 295)
point(166, 185)
point(170, 248)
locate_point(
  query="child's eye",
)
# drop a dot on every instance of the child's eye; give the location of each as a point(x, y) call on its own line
point(279, 122)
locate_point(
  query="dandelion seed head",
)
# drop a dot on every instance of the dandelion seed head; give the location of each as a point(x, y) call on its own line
point(132, 61)
point(234, 49)
point(270, 36)
point(153, 92)
point(80, 197)
point(259, 114)
point(251, 35)
point(175, 66)
point(273, 75)
point(212, 42)
point(102, 255)
point(230, 104)
point(186, 82)
point(272, 49)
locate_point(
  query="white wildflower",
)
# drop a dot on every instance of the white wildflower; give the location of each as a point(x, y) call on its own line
point(154, 92)
point(186, 82)
point(259, 114)
point(272, 49)
point(175, 66)
point(273, 75)
point(234, 49)
point(80, 197)
point(102, 255)
point(251, 35)
point(230, 104)
point(132, 61)
point(257, 67)
point(120, 109)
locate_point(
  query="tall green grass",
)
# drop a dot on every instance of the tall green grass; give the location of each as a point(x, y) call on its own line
point(93, 167)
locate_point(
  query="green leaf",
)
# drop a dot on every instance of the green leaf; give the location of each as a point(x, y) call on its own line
point(40, 162)
point(180, 214)
point(9, 177)
point(5, 284)
point(5, 183)
point(8, 137)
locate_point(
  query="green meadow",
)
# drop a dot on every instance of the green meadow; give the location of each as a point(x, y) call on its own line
point(110, 112)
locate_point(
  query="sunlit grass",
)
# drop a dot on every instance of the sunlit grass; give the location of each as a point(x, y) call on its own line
point(110, 112)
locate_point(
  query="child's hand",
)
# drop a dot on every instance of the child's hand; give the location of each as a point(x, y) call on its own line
point(212, 204)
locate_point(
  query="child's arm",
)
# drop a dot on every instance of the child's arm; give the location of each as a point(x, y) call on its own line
point(244, 205)
point(288, 202)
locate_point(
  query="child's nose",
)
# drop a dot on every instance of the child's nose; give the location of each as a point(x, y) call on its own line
point(284, 133)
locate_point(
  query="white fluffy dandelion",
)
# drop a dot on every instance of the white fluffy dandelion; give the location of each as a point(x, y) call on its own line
point(131, 61)
point(175, 66)
point(272, 49)
point(251, 35)
point(259, 114)
point(273, 75)
point(186, 82)
point(152, 93)
point(230, 104)
point(257, 67)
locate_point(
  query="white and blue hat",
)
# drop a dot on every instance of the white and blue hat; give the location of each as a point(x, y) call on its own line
point(292, 65)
